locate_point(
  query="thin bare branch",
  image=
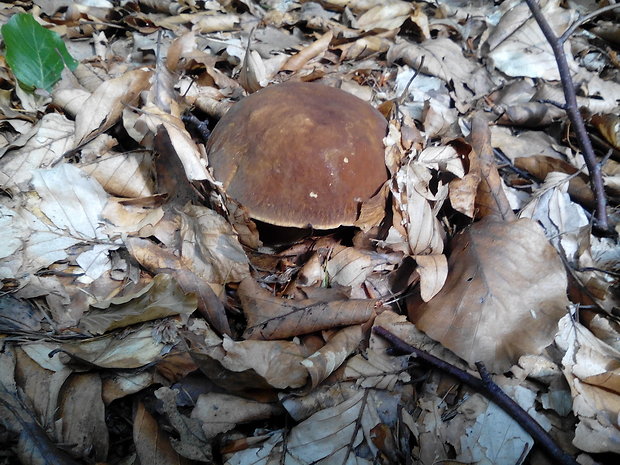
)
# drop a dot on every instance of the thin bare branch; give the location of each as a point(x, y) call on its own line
point(491, 391)
point(572, 109)
point(581, 21)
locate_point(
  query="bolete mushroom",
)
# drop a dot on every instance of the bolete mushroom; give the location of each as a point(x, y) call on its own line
point(300, 155)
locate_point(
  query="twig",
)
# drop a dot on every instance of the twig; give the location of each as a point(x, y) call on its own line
point(596, 178)
point(491, 391)
point(585, 19)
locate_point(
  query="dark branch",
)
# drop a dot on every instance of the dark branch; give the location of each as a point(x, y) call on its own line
point(596, 178)
point(491, 391)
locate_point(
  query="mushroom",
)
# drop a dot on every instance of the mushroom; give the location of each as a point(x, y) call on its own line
point(300, 155)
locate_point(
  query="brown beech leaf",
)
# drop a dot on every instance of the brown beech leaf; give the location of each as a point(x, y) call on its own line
point(34, 446)
point(104, 108)
point(219, 412)
point(152, 443)
point(540, 166)
point(505, 292)
point(158, 259)
point(433, 271)
point(609, 127)
point(160, 298)
point(328, 358)
point(247, 366)
point(271, 317)
point(316, 48)
point(592, 369)
point(83, 413)
point(490, 197)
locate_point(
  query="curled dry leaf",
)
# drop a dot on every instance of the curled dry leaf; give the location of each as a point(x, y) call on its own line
point(210, 247)
point(385, 16)
point(219, 412)
point(565, 222)
point(444, 59)
point(540, 166)
point(83, 413)
point(505, 292)
point(277, 362)
point(158, 259)
point(376, 369)
point(177, 142)
point(35, 446)
point(328, 358)
point(592, 370)
point(433, 271)
point(246, 365)
point(115, 350)
point(318, 47)
point(104, 107)
point(192, 442)
point(415, 229)
point(609, 127)
point(272, 317)
point(40, 147)
point(350, 267)
point(253, 75)
point(160, 298)
point(518, 46)
point(490, 197)
point(152, 443)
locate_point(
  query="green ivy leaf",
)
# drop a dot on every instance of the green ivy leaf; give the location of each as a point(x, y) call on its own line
point(36, 55)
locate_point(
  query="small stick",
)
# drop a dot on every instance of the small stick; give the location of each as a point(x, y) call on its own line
point(491, 391)
point(572, 109)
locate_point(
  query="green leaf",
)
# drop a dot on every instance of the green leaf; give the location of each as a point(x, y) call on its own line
point(36, 55)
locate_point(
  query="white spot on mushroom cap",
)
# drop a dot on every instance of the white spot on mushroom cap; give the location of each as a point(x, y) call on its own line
point(314, 195)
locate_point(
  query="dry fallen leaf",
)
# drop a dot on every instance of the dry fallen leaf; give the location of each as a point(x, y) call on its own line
point(160, 298)
point(505, 293)
point(105, 106)
point(272, 317)
point(83, 413)
point(43, 145)
point(506, 285)
point(315, 49)
point(592, 370)
point(518, 46)
point(152, 443)
point(219, 413)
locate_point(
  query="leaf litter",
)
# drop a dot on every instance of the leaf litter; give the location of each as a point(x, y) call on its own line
point(136, 291)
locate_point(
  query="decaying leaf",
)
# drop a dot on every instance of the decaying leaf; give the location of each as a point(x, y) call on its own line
point(116, 350)
point(83, 413)
point(152, 443)
point(505, 293)
point(44, 144)
point(518, 46)
point(297, 61)
point(328, 358)
point(238, 366)
point(124, 267)
point(390, 15)
point(592, 369)
point(159, 259)
point(540, 166)
point(192, 443)
point(221, 412)
point(160, 298)
point(272, 317)
point(105, 106)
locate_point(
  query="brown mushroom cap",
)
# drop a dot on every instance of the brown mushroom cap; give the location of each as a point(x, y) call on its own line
point(300, 155)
